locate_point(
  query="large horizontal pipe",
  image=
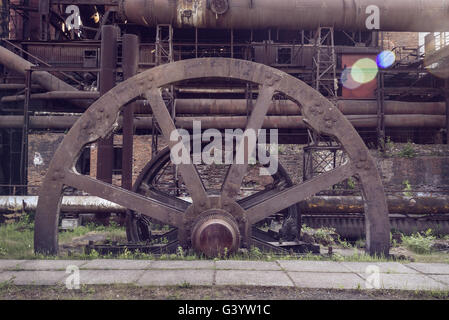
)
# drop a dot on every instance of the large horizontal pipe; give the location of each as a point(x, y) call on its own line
point(46, 80)
point(15, 86)
point(60, 122)
point(295, 122)
point(397, 15)
point(76, 204)
point(316, 205)
point(347, 107)
point(396, 204)
point(54, 95)
point(279, 122)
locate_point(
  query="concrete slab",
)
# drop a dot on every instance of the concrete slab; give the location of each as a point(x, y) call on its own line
point(177, 277)
point(115, 264)
point(252, 278)
point(430, 268)
point(11, 264)
point(384, 267)
point(326, 280)
point(198, 264)
point(51, 264)
point(110, 276)
point(313, 266)
point(444, 278)
point(407, 282)
point(247, 265)
point(41, 278)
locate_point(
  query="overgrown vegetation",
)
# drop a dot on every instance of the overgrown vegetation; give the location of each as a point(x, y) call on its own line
point(407, 188)
point(17, 238)
point(389, 149)
point(420, 243)
point(16, 242)
point(408, 151)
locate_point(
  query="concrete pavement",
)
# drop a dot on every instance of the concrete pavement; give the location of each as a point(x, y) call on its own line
point(284, 273)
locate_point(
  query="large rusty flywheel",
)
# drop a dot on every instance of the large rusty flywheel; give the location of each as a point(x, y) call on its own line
point(211, 223)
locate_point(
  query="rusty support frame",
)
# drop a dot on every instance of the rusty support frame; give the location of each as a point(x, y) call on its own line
point(105, 146)
point(25, 129)
point(447, 109)
point(107, 82)
point(130, 67)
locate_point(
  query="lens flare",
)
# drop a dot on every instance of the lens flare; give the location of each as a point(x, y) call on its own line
point(385, 59)
point(364, 70)
point(347, 81)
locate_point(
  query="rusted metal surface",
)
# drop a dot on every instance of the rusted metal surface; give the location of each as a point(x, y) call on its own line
point(354, 227)
point(315, 206)
point(74, 204)
point(285, 107)
point(236, 173)
point(99, 121)
point(216, 234)
point(221, 122)
point(53, 95)
point(148, 183)
point(399, 15)
point(447, 109)
point(130, 66)
point(43, 78)
point(108, 66)
point(296, 122)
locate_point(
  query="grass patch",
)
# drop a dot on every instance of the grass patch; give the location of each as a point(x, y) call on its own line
point(419, 243)
point(17, 238)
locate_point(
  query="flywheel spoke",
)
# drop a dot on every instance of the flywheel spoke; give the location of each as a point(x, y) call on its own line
point(188, 172)
point(237, 171)
point(270, 204)
point(154, 208)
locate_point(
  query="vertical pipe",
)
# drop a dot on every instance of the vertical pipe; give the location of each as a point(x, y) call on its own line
point(105, 157)
point(232, 43)
point(447, 109)
point(130, 67)
point(196, 42)
point(26, 122)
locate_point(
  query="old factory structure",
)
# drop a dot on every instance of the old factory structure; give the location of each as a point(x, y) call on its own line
point(357, 90)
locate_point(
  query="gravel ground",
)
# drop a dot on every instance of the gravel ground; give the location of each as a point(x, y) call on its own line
point(122, 292)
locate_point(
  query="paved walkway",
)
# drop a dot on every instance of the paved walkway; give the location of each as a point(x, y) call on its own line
point(301, 274)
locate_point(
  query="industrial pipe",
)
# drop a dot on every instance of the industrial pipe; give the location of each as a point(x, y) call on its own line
point(350, 15)
point(54, 95)
point(316, 205)
point(219, 122)
point(286, 107)
point(46, 80)
point(295, 122)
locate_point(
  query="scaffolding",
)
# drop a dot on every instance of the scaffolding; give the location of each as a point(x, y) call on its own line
point(325, 63)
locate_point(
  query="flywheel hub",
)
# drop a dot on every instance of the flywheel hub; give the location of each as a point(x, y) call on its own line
point(216, 234)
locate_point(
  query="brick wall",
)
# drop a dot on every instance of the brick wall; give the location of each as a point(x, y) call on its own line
point(429, 170)
point(401, 39)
